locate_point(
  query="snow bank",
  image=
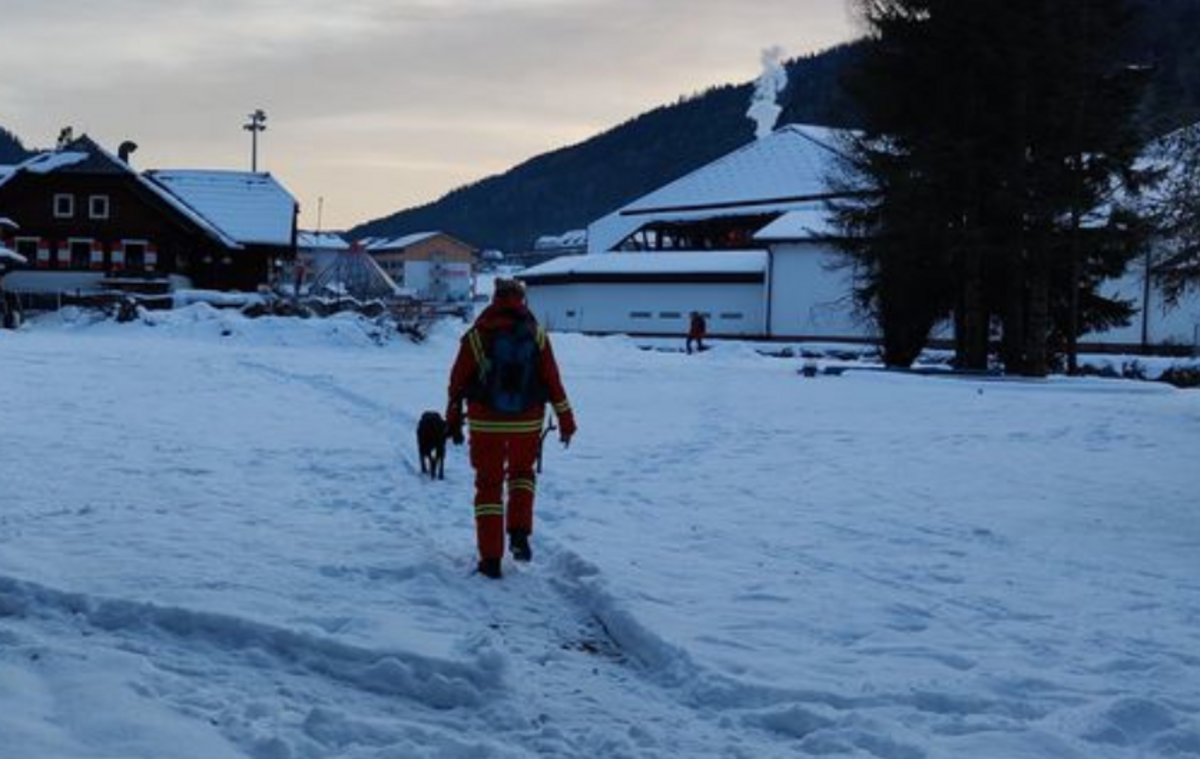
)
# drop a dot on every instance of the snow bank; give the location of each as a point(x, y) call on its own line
point(205, 322)
point(215, 541)
point(440, 684)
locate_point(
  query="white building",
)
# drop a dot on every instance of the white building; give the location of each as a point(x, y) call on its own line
point(652, 262)
point(689, 246)
point(433, 265)
point(651, 293)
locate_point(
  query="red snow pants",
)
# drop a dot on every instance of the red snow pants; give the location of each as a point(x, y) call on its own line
point(501, 458)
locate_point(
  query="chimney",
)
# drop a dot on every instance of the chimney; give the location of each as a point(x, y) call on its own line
point(126, 150)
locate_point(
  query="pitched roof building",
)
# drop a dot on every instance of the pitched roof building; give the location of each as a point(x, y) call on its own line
point(433, 266)
point(742, 240)
point(90, 221)
point(726, 203)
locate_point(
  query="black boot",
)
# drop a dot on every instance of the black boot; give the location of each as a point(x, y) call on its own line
point(518, 544)
point(490, 568)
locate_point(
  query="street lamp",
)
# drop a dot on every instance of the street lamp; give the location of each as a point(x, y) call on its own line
point(257, 123)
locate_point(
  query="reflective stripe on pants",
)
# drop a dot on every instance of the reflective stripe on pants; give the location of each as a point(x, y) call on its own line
point(500, 457)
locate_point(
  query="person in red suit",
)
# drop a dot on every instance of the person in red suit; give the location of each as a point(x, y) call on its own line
point(697, 329)
point(506, 373)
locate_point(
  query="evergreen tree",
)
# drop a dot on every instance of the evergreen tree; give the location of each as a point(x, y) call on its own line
point(11, 149)
point(1177, 211)
point(994, 131)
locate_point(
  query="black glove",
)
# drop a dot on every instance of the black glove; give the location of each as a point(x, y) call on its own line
point(454, 431)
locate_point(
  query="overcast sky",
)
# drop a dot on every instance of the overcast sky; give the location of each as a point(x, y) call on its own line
point(375, 105)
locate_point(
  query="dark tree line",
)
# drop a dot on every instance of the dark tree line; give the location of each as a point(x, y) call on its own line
point(11, 149)
point(998, 139)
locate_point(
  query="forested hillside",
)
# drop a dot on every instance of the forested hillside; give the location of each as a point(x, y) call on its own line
point(569, 188)
point(1168, 43)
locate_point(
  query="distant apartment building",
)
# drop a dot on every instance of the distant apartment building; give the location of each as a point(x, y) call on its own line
point(431, 265)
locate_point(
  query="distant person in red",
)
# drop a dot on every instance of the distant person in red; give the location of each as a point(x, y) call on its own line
point(697, 329)
point(506, 373)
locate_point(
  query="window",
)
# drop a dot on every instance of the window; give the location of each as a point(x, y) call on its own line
point(98, 207)
point(81, 253)
point(670, 315)
point(64, 206)
point(733, 316)
point(570, 314)
point(640, 315)
point(135, 254)
point(26, 247)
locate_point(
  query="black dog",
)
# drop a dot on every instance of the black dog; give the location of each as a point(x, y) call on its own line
point(431, 444)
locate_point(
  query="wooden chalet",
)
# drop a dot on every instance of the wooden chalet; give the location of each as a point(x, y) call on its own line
point(89, 221)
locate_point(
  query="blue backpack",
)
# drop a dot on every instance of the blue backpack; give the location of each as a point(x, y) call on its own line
point(513, 382)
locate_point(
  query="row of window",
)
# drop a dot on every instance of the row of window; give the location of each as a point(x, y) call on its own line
point(86, 254)
point(98, 206)
point(728, 315)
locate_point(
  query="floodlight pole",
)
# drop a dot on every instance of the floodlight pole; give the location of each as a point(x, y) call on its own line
point(257, 123)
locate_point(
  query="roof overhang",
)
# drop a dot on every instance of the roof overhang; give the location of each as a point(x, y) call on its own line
point(645, 278)
point(690, 267)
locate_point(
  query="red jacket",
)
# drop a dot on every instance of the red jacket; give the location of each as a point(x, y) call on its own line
point(476, 343)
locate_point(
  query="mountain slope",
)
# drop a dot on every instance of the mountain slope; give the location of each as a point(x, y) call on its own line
point(571, 187)
point(574, 186)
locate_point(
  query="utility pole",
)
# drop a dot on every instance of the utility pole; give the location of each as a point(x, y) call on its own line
point(257, 123)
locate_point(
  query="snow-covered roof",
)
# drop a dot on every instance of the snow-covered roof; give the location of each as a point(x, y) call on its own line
point(44, 163)
point(410, 240)
point(11, 256)
point(778, 173)
point(793, 162)
point(573, 239)
point(397, 243)
point(811, 222)
point(664, 263)
point(53, 160)
point(321, 241)
point(250, 208)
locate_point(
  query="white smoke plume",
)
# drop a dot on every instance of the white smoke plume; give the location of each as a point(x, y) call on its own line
point(764, 106)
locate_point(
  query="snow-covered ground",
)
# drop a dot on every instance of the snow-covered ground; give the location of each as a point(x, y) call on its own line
point(215, 542)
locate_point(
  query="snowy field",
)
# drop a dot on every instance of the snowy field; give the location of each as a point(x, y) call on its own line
point(215, 542)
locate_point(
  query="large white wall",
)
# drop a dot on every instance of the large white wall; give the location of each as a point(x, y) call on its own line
point(658, 308)
point(809, 298)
